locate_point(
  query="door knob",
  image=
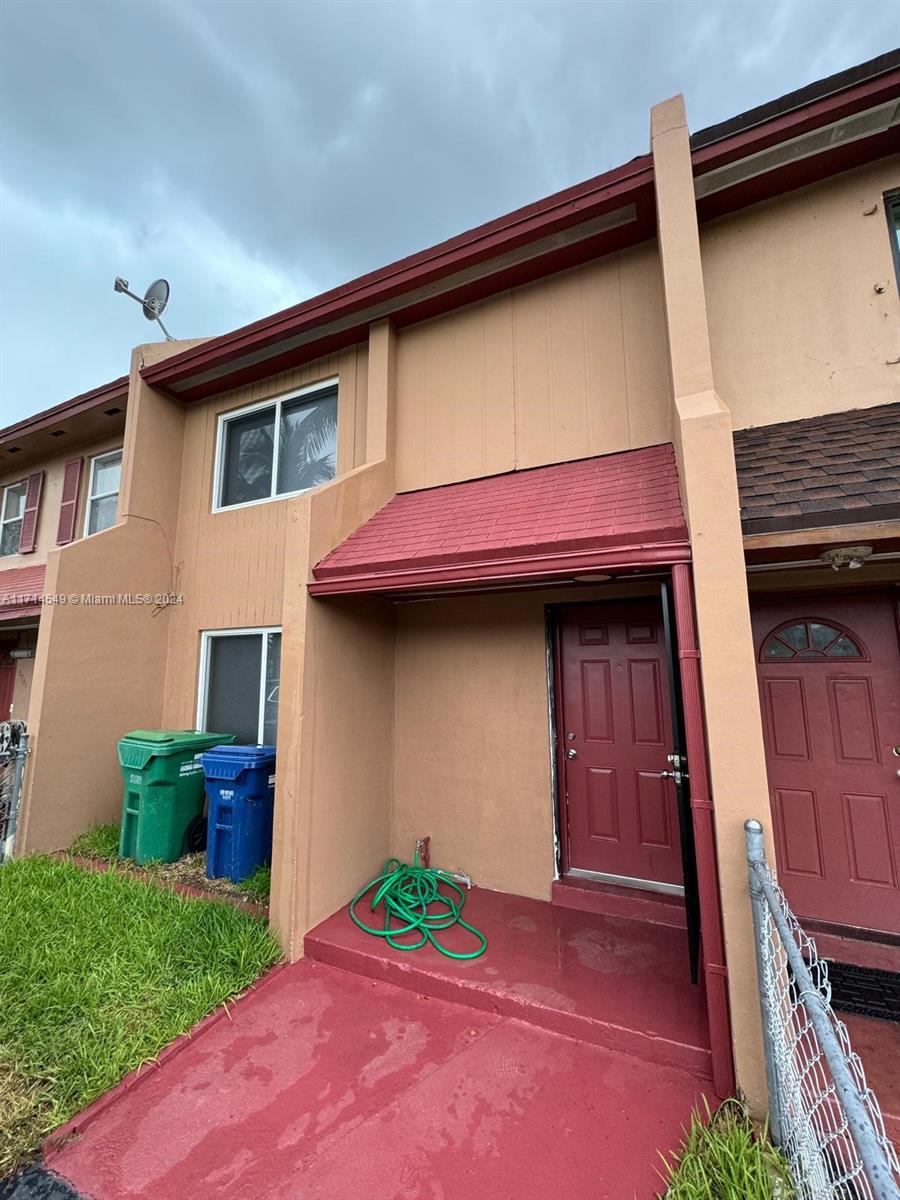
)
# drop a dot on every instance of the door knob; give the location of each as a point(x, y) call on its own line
point(667, 774)
point(571, 754)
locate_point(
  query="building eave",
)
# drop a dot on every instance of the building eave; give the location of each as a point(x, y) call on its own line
point(30, 438)
point(492, 257)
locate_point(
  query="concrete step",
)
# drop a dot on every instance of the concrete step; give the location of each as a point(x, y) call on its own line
point(604, 980)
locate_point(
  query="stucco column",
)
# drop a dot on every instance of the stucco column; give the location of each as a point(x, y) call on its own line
point(701, 431)
point(336, 704)
point(100, 666)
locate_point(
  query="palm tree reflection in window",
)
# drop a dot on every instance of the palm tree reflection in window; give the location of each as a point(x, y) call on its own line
point(247, 471)
point(308, 443)
point(307, 446)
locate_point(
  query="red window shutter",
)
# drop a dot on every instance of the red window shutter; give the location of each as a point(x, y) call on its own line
point(28, 532)
point(68, 506)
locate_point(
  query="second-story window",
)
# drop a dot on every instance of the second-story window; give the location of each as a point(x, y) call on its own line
point(11, 514)
point(103, 492)
point(277, 448)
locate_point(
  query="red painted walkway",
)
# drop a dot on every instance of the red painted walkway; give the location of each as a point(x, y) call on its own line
point(609, 980)
point(329, 1086)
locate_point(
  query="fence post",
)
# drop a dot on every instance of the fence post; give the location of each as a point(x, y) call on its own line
point(756, 857)
point(14, 741)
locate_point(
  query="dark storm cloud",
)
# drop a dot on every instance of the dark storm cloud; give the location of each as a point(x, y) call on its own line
point(256, 153)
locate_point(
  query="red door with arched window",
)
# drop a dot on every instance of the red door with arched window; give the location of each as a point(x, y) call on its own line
point(829, 676)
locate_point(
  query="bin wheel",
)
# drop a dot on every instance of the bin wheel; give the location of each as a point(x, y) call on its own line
point(195, 837)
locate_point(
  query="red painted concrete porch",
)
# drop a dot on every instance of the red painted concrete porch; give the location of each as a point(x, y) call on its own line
point(327, 1082)
point(607, 980)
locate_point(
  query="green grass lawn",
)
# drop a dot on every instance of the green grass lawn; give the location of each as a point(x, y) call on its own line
point(99, 972)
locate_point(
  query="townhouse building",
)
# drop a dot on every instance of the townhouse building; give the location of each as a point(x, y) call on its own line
point(570, 543)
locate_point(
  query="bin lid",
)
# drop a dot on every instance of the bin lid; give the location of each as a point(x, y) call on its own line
point(138, 747)
point(228, 762)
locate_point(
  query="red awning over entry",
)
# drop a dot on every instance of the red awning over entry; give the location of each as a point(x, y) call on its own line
point(616, 511)
point(21, 592)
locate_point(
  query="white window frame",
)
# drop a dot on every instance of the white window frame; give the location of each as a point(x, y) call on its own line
point(99, 458)
point(275, 402)
point(4, 520)
point(206, 640)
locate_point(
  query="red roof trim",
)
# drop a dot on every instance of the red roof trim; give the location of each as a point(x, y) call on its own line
point(107, 392)
point(787, 126)
point(562, 210)
point(548, 567)
point(613, 511)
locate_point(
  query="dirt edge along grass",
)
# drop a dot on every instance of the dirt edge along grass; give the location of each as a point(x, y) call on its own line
point(100, 972)
point(101, 842)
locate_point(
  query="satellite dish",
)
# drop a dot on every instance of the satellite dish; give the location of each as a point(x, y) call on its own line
point(154, 302)
point(156, 298)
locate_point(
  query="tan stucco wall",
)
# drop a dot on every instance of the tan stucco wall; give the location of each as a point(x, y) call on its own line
point(335, 727)
point(472, 733)
point(471, 737)
point(100, 669)
point(570, 366)
point(796, 325)
point(229, 566)
point(51, 494)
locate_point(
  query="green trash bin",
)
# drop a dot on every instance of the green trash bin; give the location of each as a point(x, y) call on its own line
point(163, 790)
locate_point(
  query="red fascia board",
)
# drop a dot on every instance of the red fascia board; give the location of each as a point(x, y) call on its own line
point(562, 259)
point(792, 124)
point(558, 212)
point(798, 174)
point(570, 207)
point(116, 390)
point(537, 567)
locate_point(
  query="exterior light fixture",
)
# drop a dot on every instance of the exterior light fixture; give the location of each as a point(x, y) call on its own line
point(851, 557)
point(592, 578)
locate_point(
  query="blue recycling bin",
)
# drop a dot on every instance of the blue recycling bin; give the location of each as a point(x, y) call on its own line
point(240, 788)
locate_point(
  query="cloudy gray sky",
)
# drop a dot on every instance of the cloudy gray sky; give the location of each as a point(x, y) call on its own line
point(256, 152)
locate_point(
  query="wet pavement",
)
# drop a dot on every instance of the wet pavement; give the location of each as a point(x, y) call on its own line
point(36, 1183)
point(325, 1084)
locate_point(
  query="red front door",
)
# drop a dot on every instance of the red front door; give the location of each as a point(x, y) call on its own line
point(829, 675)
point(619, 815)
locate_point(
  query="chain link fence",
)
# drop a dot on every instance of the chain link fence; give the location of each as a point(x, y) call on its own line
point(13, 753)
point(822, 1113)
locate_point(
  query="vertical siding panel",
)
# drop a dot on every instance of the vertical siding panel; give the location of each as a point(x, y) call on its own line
point(645, 349)
point(411, 401)
point(568, 367)
point(498, 430)
point(605, 358)
point(438, 431)
point(466, 400)
point(567, 399)
point(532, 376)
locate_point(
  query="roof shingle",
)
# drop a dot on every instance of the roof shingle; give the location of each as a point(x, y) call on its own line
point(613, 501)
point(835, 469)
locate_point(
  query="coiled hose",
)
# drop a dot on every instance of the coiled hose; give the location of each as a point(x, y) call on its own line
point(413, 903)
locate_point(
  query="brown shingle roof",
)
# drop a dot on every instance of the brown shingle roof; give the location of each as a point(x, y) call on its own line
point(835, 469)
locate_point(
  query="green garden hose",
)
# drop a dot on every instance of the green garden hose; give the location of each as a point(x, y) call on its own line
point(408, 893)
